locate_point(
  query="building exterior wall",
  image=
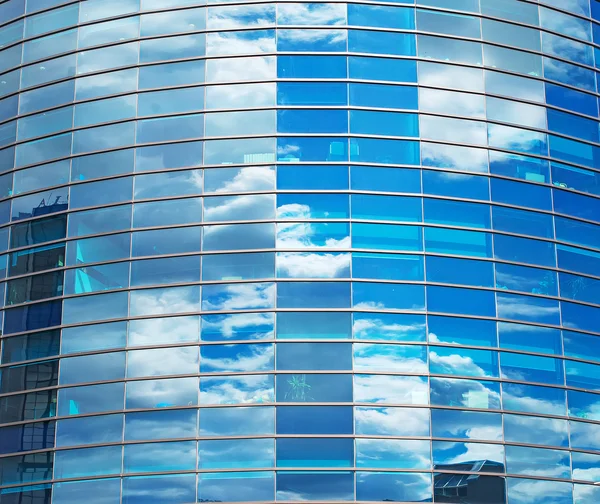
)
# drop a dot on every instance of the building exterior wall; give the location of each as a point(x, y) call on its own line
point(299, 251)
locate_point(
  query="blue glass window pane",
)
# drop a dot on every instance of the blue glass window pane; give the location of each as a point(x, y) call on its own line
point(236, 487)
point(396, 70)
point(521, 194)
point(312, 177)
point(177, 456)
point(533, 399)
point(331, 67)
point(250, 421)
point(521, 278)
point(459, 331)
point(583, 405)
point(463, 362)
point(379, 42)
point(532, 368)
point(386, 208)
point(529, 338)
point(314, 356)
point(466, 425)
point(396, 486)
point(313, 295)
point(317, 325)
point(93, 337)
point(371, 178)
point(89, 430)
point(95, 307)
point(91, 491)
point(87, 462)
point(316, 452)
point(461, 301)
point(525, 250)
point(573, 151)
point(313, 40)
point(372, 150)
point(582, 375)
point(380, 16)
point(583, 346)
point(315, 486)
point(314, 420)
point(536, 430)
point(571, 99)
point(388, 296)
point(168, 489)
point(460, 271)
point(237, 327)
point(387, 266)
point(311, 93)
point(29, 318)
point(384, 123)
point(438, 211)
point(166, 241)
point(456, 241)
point(314, 388)
point(456, 185)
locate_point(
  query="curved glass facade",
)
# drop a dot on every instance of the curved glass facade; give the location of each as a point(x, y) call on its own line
point(300, 251)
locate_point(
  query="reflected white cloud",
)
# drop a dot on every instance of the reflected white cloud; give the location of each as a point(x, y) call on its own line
point(237, 358)
point(373, 327)
point(240, 69)
point(254, 178)
point(449, 102)
point(240, 326)
point(238, 296)
point(312, 265)
point(455, 364)
point(240, 16)
point(390, 389)
point(237, 390)
point(245, 42)
point(239, 208)
point(404, 454)
point(394, 358)
point(456, 453)
point(528, 491)
point(392, 421)
point(311, 14)
point(164, 361)
point(459, 158)
point(163, 331)
point(520, 309)
point(162, 393)
point(165, 300)
point(307, 235)
point(298, 39)
point(238, 96)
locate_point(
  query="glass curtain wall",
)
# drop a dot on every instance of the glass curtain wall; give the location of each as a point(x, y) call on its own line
point(296, 251)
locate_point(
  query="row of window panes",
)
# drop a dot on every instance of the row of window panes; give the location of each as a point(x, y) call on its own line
point(293, 453)
point(264, 357)
point(385, 327)
point(300, 295)
point(305, 485)
point(296, 420)
point(298, 93)
point(290, 235)
point(290, 40)
point(301, 265)
point(301, 388)
point(321, 205)
point(297, 121)
point(264, 15)
point(96, 10)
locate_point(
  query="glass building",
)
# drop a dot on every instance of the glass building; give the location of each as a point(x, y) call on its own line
point(297, 251)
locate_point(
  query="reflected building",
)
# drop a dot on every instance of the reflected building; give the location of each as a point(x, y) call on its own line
point(299, 251)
